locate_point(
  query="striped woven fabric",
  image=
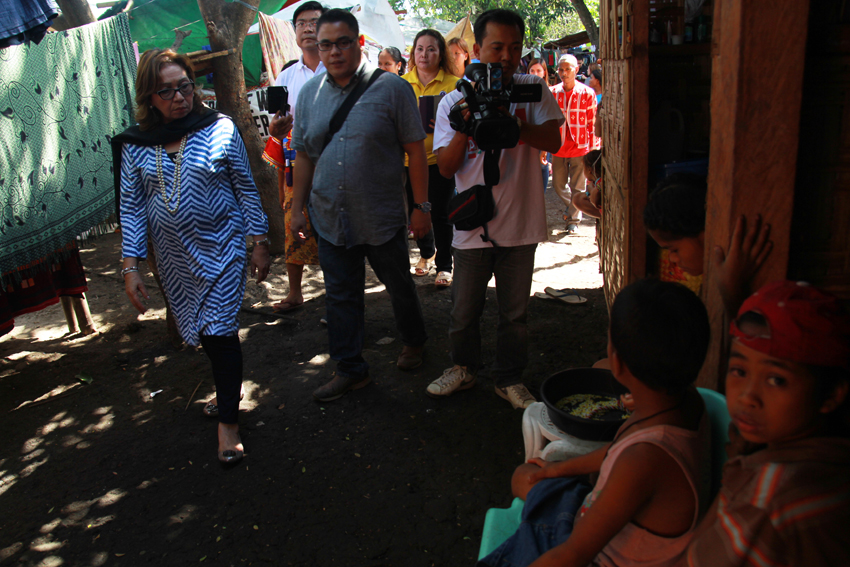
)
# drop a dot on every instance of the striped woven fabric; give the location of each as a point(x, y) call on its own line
point(277, 40)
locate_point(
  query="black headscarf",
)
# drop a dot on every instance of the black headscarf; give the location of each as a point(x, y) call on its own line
point(159, 136)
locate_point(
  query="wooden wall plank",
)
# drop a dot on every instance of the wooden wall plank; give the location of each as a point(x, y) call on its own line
point(755, 112)
point(639, 133)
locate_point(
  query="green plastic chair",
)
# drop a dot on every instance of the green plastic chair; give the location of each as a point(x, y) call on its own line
point(501, 523)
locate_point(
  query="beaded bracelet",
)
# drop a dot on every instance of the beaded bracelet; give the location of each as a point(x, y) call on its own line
point(126, 271)
point(266, 241)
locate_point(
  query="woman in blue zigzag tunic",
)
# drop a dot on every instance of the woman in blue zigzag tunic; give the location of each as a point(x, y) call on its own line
point(184, 177)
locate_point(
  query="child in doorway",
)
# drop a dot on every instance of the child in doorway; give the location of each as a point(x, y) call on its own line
point(675, 219)
point(650, 492)
point(590, 202)
point(787, 503)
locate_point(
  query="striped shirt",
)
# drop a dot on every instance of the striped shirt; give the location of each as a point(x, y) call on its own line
point(786, 506)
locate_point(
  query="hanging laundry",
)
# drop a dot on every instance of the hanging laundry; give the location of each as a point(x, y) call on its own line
point(25, 21)
point(61, 101)
point(277, 40)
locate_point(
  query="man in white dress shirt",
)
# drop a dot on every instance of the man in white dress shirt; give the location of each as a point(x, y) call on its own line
point(293, 78)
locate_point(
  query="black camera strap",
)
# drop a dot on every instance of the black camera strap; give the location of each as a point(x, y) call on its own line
point(492, 175)
point(341, 114)
point(491, 167)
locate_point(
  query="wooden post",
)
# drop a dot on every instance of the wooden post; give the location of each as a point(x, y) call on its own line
point(227, 23)
point(756, 95)
point(639, 162)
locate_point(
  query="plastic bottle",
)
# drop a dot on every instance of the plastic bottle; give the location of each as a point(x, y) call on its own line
point(702, 30)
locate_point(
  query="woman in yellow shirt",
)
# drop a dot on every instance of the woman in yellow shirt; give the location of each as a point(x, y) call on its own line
point(430, 78)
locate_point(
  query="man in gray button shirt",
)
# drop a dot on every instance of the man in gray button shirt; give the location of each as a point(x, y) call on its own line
point(356, 197)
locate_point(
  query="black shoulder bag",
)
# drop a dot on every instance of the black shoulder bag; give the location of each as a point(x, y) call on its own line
point(475, 207)
point(338, 119)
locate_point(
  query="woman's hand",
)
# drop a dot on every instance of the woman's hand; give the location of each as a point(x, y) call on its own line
point(735, 268)
point(298, 225)
point(280, 125)
point(260, 262)
point(134, 287)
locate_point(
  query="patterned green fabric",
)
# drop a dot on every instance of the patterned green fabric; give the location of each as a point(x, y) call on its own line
point(61, 101)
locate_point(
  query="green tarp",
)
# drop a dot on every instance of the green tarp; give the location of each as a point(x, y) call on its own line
point(154, 21)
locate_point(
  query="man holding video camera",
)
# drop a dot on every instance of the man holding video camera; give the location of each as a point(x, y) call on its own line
point(507, 248)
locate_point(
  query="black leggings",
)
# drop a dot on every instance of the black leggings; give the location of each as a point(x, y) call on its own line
point(440, 190)
point(226, 356)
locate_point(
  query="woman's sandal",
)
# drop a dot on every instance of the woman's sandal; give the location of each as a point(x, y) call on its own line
point(444, 279)
point(423, 267)
point(211, 410)
point(230, 457)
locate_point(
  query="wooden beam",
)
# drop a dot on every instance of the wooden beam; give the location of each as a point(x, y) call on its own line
point(756, 95)
point(210, 55)
point(639, 162)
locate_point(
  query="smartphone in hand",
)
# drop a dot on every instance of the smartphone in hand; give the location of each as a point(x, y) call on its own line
point(277, 98)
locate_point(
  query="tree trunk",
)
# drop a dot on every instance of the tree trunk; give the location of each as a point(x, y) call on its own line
point(227, 25)
point(587, 20)
point(75, 13)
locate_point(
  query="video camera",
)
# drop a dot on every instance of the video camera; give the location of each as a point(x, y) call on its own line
point(489, 127)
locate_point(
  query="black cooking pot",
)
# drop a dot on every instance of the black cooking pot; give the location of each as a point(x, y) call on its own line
point(583, 381)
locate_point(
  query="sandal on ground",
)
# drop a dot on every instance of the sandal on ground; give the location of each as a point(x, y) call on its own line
point(423, 267)
point(444, 279)
point(284, 306)
point(570, 296)
point(210, 410)
point(230, 457)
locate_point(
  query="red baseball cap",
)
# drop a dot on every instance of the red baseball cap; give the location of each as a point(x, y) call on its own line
point(806, 325)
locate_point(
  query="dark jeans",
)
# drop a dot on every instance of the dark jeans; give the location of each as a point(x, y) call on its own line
point(226, 356)
point(440, 190)
point(513, 267)
point(551, 507)
point(345, 279)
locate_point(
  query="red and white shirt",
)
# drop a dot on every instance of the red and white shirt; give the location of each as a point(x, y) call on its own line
point(579, 108)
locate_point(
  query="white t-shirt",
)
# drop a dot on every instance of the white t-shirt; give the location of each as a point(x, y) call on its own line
point(520, 207)
point(294, 77)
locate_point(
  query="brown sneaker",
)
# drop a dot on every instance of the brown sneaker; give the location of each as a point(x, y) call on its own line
point(518, 395)
point(337, 387)
point(410, 357)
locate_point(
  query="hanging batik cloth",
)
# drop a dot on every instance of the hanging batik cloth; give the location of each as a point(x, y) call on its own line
point(277, 40)
point(61, 101)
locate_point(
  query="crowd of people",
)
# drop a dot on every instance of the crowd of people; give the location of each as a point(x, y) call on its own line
point(369, 155)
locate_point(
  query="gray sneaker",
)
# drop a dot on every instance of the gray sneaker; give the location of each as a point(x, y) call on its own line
point(518, 395)
point(453, 379)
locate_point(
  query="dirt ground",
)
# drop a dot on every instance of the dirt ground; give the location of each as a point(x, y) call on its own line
point(105, 474)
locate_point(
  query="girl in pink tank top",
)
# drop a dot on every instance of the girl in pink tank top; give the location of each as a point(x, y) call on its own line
point(653, 479)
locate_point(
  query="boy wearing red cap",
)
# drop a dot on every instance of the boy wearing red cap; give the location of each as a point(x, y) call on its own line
point(787, 503)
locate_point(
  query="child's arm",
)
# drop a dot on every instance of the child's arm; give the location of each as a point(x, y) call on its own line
point(630, 486)
point(535, 470)
point(585, 464)
point(735, 268)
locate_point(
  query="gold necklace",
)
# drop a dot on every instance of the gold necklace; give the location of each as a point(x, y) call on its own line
point(175, 190)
